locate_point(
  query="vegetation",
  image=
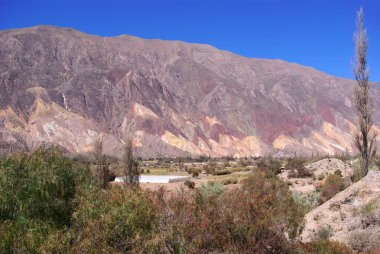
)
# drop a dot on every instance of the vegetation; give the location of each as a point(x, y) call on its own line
point(365, 141)
point(331, 187)
point(37, 193)
point(130, 165)
point(52, 204)
point(297, 168)
point(102, 164)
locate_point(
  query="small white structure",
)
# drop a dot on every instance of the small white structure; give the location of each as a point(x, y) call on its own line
point(157, 179)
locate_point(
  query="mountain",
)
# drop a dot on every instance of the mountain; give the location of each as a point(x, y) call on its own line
point(61, 86)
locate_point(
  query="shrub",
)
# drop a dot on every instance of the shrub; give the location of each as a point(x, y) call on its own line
point(230, 181)
point(326, 247)
point(331, 187)
point(338, 172)
point(306, 202)
point(297, 168)
point(189, 184)
point(295, 163)
point(118, 220)
point(270, 163)
point(321, 177)
point(300, 173)
point(212, 189)
point(363, 241)
point(323, 233)
point(252, 219)
point(368, 208)
point(36, 198)
point(39, 186)
point(222, 172)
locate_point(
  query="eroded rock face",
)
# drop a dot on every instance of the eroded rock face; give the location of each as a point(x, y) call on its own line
point(352, 216)
point(65, 87)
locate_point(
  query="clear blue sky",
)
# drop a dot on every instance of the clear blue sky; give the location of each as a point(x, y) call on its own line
point(316, 33)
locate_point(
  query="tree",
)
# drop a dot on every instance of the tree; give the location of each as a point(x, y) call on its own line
point(130, 165)
point(102, 165)
point(365, 141)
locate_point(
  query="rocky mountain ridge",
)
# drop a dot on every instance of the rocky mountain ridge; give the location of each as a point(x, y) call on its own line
point(68, 88)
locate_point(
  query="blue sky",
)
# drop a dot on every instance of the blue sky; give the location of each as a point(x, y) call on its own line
point(316, 33)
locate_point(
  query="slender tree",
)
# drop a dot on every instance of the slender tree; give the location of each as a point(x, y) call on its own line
point(130, 165)
point(102, 166)
point(365, 140)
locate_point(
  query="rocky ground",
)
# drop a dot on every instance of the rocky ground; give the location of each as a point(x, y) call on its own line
point(320, 170)
point(352, 216)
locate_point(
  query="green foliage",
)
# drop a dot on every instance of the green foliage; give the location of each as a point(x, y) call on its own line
point(222, 172)
point(323, 233)
point(272, 164)
point(118, 220)
point(297, 168)
point(36, 197)
point(368, 208)
point(212, 189)
point(325, 247)
point(59, 208)
point(37, 187)
point(229, 181)
point(306, 202)
point(331, 187)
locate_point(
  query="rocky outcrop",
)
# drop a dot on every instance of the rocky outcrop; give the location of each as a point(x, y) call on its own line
point(65, 87)
point(352, 216)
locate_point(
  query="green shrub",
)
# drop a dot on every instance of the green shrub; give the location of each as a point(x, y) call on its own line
point(272, 164)
point(118, 220)
point(368, 208)
point(323, 233)
point(325, 247)
point(321, 177)
point(300, 172)
point(40, 186)
point(212, 189)
point(331, 187)
point(36, 197)
point(189, 184)
point(222, 172)
point(306, 202)
point(229, 181)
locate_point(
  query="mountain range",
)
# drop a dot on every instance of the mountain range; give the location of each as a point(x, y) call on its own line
point(64, 87)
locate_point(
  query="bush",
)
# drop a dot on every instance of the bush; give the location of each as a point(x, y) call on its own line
point(338, 172)
point(300, 173)
point(189, 184)
point(39, 186)
point(212, 189)
point(253, 219)
point(363, 241)
point(230, 181)
point(306, 202)
point(323, 233)
point(222, 172)
point(321, 177)
point(331, 187)
point(118, 220)
point(36, 197)
point(297, 168)
point(325, 247)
